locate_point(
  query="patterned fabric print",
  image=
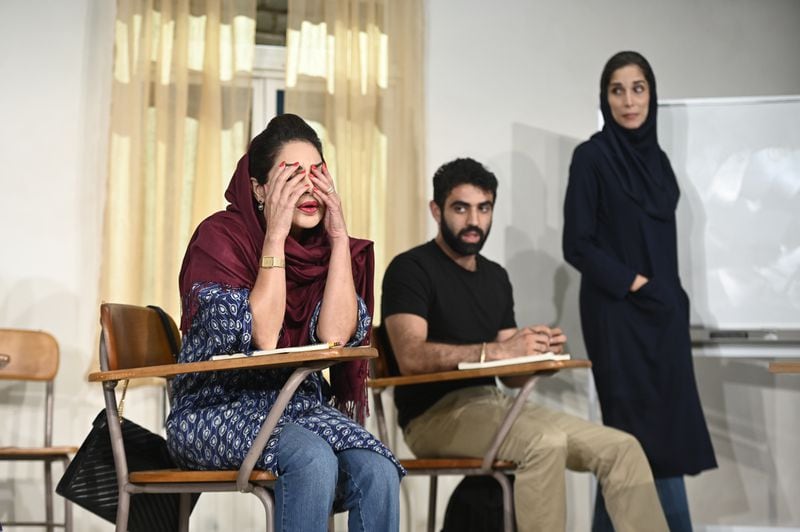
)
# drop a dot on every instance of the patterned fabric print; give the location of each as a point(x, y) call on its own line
point(364, 321)
point(216, 416)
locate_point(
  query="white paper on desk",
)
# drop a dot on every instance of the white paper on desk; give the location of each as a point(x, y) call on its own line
point(279, 351)
point(515, 360)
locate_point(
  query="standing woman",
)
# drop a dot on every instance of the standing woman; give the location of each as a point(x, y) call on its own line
point(619, 232)
point(277, 269)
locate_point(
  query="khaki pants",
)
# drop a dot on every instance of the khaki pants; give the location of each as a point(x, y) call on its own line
point(543, 443)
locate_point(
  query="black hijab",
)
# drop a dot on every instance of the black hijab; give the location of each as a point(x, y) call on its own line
point(643, 170)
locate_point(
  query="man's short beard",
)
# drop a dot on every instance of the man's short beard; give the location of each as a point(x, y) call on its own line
point(459, 246)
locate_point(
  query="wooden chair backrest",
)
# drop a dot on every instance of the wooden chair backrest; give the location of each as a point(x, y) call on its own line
point(28, 355)
point(134, 337)
point(380, 367)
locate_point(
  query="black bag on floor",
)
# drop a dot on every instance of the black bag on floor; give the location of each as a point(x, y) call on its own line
point(90, 480)
point(476, 505)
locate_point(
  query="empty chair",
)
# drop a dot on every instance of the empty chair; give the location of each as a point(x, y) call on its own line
point(34, 356)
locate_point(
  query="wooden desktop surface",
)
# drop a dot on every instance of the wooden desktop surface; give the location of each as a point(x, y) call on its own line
point(785, 367)
point(335, 355)
point(511, 370)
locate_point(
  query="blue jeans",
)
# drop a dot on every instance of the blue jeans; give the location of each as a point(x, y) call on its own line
point(671, 493)
point(312, 478)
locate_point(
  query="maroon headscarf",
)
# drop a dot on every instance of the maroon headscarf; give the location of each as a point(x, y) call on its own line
point(226, 249)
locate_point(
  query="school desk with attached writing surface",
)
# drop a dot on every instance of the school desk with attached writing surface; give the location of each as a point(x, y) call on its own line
point(522, 375)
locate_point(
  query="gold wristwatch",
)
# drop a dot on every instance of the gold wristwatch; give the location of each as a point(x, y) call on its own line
point(272, 262)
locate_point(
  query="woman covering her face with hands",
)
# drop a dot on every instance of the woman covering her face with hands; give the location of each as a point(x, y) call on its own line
point(619, 232)
point(278, 269)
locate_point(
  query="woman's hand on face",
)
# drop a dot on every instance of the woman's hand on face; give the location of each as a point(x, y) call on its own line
point(284, 187)
point(325, 192)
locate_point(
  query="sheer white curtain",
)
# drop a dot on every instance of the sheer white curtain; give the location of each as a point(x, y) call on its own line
point(355, 71)
point(180, 120)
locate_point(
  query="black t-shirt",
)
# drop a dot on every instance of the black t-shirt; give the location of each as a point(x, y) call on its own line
point(460, 306)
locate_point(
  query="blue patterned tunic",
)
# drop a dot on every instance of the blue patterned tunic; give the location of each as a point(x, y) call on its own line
point(215, 416)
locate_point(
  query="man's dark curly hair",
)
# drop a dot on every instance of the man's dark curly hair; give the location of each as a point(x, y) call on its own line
point(459, 172)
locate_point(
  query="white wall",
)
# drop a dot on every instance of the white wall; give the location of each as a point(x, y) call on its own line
point(514, 84)
point(54, 104)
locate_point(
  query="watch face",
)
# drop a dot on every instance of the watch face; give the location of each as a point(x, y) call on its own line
point(272, 262)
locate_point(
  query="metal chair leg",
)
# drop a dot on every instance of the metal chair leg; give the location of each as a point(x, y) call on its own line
point(48, 494)
point(183, 512)
point(67, 504)
point(432, 503)
point(123, 509)
point(509, 520)
point(269, 505)
point(67, 516)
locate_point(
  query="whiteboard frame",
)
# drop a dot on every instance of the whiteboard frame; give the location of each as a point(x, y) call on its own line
point(789, 98)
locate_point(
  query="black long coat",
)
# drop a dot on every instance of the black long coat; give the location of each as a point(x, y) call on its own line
point(638, 342)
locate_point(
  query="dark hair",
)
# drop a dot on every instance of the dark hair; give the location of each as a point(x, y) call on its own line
point(266, 145)
point(459, 172)
point(623, 59)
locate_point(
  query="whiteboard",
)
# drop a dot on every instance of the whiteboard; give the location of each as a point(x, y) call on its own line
point(737, 162)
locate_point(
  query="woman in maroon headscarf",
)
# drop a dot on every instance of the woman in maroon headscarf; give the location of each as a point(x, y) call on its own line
point(277, 269)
